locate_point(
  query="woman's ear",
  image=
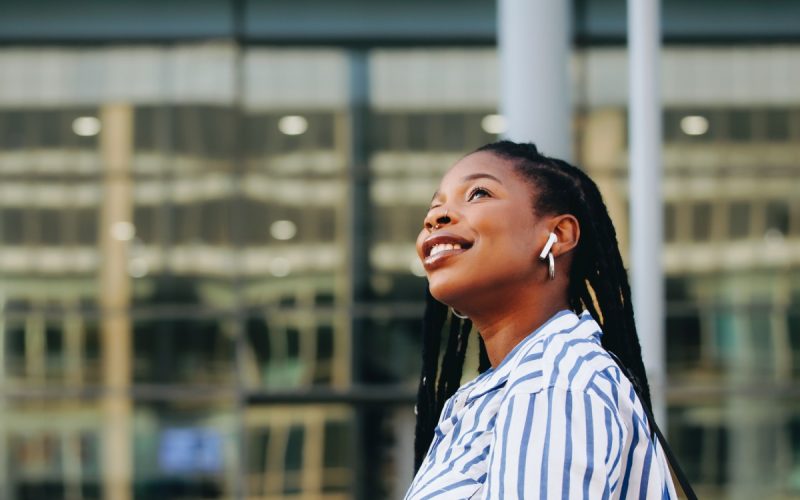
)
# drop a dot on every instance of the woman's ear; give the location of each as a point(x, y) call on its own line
point(568, 232)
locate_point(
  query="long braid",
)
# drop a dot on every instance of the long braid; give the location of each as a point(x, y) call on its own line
point(446, 375)
point(427, 415)
point(626, 346)
point(453, 361)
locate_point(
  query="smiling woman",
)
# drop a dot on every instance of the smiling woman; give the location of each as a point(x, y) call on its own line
point(521, 246)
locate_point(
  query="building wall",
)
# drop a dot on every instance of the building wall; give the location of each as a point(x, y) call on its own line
point(215, 294)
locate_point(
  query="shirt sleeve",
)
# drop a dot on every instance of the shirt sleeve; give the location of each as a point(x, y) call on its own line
point(555, 444)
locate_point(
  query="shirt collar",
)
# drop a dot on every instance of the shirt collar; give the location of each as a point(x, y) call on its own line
point(496, 377)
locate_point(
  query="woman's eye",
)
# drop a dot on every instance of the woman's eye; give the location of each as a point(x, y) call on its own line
point(478, 192)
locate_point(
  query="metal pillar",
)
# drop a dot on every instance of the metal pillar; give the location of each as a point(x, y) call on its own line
point(646, 217)
point(358, 223)
point(534, 52)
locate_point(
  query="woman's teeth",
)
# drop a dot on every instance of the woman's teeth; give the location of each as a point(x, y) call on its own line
point(443, 247)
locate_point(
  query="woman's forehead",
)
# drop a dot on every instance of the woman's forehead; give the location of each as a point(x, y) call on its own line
point(481, 162)
point(484, 164)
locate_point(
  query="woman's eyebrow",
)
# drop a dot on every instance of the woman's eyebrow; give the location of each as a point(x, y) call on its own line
point(480, 175)
point(470, 177)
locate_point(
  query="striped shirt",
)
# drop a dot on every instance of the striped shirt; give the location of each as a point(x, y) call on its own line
point(556, 419)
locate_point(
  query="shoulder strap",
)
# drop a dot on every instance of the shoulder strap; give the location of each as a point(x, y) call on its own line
point(674, 466)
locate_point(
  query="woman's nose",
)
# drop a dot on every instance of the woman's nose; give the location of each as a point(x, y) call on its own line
point(436, 219)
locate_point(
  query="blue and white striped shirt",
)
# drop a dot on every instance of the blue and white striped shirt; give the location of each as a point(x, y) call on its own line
point(556, 419)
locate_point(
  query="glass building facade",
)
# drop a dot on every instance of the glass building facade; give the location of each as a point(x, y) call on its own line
point(208, 282)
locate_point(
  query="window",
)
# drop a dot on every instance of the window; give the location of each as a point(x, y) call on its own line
point(701, 221)
point(670, 230)
point(739, 220)
point(777, 217)
point(777, 125)
point(740, 125)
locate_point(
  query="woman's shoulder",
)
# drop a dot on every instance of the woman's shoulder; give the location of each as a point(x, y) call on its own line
point(572, 359)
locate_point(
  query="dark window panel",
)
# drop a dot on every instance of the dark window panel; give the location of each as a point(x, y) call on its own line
point(739, 219)
point(255, 211)
point(337, 447)
point(87, 222)
point(701, 221)
point(257, 331)
point(52, 131)
point(323, 130)
point(453, 132)
point(287, 301)
point(324, 342)
point(203, 131)
point(13, 137)
point(216, 218)
point(740, 125)
point(255, 134)
point(145, 129)
point(293, 459)
point(51, 224)
point(145, 219)
point(188, 222)
point(418, 133)
point(292, 342)
point(32, 226)
point(777, 125)
point(391, 351)
point(257, 443)
point(683, 338)
point(671, 123)
point(379, 132)
point(326, 225)
point(777, 214)
point(670, 228)
point(382, 230)
point(15, 349)
point(170, 350)
point(13, 225)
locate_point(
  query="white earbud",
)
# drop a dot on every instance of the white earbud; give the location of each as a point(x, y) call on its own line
point(550, 241)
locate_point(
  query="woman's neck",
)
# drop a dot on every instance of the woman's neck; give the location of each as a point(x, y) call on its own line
point(502, 330)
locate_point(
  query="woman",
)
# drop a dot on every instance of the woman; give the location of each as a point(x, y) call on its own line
point(521, 246)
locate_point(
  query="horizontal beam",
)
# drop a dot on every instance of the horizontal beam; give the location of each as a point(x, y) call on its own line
point(379, 23)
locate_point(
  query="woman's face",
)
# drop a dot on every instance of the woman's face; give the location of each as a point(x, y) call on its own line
point(487, 246)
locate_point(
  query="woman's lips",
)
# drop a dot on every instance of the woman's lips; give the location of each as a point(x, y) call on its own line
point(441, 245)
point(441, 255)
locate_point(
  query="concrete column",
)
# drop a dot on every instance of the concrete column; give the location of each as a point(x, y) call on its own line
point(534, 40)
point(116, 146)
point(646, 205)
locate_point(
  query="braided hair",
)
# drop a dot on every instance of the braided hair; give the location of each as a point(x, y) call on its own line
point(598, 283)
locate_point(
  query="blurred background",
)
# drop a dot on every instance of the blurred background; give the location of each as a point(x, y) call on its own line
point(208, 284)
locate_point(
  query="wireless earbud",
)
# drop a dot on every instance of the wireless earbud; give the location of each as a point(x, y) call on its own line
point(548, 254)
point(549, 245)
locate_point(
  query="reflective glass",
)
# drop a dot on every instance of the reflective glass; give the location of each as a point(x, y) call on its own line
point(207, 230)
point(305, 451)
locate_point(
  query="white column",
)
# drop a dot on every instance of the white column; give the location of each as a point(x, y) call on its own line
point(534, 39)
point(646, 217)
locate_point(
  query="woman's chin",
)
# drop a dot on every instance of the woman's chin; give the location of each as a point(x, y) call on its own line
point(446, 292)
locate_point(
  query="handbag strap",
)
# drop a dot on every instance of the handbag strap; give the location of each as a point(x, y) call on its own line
point(672, 460)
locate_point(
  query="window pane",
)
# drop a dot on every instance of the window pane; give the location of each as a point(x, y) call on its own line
point(701, 221)
point(739, 219)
